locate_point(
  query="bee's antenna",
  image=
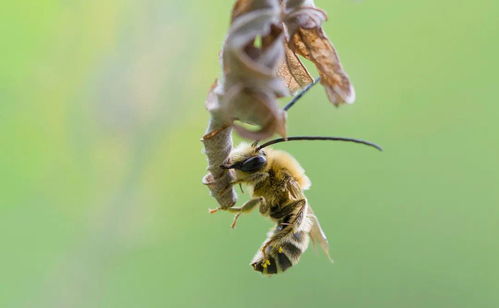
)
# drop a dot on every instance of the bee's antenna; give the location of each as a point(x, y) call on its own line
point(279, 140)
point(301, 93)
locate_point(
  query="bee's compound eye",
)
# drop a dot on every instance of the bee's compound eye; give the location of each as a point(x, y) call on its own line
point(253, 164)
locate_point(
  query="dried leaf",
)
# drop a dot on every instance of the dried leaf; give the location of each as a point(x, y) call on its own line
point(241, 7)
point(259, 110)
point(251, 85)
point(303, 14)
point(245, 6)
point(292, 71)
point(315, 46)
point(306, 37)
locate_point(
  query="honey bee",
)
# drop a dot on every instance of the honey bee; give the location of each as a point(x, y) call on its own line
point(276, 182)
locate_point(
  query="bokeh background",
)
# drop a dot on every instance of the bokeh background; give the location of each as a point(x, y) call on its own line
point(101, 202)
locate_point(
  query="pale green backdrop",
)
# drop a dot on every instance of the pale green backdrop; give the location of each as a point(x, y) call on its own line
point(101, 205)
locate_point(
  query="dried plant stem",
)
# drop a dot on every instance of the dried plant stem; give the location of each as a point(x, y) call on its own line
point(217, 144)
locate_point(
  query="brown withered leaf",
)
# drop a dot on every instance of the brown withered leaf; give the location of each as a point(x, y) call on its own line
point(292, 71)
point(250, 85)
point(315, 46)
point(259, 110)
point(239, 8)
point(244, 6)
point(303, 14)
point(306, 37)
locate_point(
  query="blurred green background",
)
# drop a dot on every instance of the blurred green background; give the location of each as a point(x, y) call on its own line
point(101, 202)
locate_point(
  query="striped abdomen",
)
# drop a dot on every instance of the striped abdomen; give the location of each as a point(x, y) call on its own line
point(281, 256)
point(287, 242)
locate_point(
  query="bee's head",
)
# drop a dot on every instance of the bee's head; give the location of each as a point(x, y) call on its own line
point(246, 158)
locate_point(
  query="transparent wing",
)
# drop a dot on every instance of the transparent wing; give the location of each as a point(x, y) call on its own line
point(317, 235)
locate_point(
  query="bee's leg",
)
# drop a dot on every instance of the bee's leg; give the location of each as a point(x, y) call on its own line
point(235, 182)
point(245, 208)
point(234, 221)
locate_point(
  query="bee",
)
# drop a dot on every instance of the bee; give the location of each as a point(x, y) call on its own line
point(276, 182)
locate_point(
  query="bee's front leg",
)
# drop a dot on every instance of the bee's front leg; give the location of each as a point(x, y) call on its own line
point(245, 208)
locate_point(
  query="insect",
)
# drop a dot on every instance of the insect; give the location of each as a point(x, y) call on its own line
point(276, 182)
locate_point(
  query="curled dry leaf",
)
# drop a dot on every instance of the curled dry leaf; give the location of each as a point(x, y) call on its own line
point(250, 86)
point(306, 37)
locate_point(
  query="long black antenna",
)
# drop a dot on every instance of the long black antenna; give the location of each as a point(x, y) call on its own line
point(278, 140)
point(301, 93)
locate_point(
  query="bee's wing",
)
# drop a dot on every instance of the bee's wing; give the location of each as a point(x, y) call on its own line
point(293, 187)
point(316, 233)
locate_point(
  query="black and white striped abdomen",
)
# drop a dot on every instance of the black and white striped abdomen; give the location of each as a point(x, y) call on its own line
point(283, 248)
